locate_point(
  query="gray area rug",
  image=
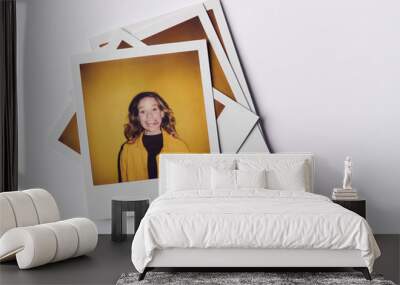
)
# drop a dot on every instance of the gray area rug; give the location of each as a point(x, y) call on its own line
point(273, 278)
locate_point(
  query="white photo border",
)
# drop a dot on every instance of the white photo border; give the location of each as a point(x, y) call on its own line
point(121, 35)
point(234, 123)
point(215, 6)
point(256, 139)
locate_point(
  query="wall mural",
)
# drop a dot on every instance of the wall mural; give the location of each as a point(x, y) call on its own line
point(173, 84)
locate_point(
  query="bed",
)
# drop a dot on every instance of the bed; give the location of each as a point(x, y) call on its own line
point(201, 219)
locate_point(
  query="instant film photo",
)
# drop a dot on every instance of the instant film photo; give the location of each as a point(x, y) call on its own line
point(126, 116)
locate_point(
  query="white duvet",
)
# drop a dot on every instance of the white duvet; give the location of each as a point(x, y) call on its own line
point(250, 219)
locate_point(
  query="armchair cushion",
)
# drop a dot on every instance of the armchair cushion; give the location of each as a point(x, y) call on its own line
point(27, 208)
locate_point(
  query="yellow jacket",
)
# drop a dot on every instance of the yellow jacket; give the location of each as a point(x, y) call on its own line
point(133, 156)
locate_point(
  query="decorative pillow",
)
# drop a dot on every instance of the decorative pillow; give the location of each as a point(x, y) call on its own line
point(281, 174)
point(227, 179)
point(251, 178)
point(223, 179)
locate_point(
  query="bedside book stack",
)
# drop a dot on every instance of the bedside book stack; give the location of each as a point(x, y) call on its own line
point(344, 194)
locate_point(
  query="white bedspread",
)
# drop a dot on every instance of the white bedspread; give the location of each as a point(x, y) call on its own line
point(250, 219)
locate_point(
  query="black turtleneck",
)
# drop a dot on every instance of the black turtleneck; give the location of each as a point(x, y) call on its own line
point(153, 145)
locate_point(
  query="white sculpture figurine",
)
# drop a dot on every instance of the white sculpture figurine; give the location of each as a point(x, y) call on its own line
point(347, 174)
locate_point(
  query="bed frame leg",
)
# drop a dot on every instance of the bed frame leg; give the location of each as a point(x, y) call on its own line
point(364, 271)
point(143, 274)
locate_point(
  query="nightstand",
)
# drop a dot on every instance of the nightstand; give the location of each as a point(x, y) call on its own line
point(357, 206)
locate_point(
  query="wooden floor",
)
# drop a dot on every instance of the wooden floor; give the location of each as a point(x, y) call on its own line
point(110, 260)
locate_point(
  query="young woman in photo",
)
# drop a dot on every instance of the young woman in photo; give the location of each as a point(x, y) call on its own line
point(150, 131)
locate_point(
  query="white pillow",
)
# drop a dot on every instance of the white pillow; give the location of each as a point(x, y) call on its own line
point(282, 174)
point(287, 179)
point(251, 178)
point(227, 179)
point(223, 179)
point(182, 178)
point(185, 175)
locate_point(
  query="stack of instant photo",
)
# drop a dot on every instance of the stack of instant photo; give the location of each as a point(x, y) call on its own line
point(178, 72)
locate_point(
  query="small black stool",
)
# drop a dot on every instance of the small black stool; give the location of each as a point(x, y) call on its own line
point(120, 205)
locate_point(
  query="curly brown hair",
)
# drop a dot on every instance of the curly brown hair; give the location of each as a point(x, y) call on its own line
point(133, 129)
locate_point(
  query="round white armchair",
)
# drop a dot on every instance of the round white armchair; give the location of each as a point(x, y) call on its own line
point(31, 230)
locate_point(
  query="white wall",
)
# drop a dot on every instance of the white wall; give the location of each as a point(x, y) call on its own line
point(325, 76)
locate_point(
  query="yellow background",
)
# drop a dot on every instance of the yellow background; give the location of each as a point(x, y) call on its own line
point(108, 88)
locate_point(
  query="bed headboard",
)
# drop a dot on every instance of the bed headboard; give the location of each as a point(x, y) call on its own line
point(308, 159)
